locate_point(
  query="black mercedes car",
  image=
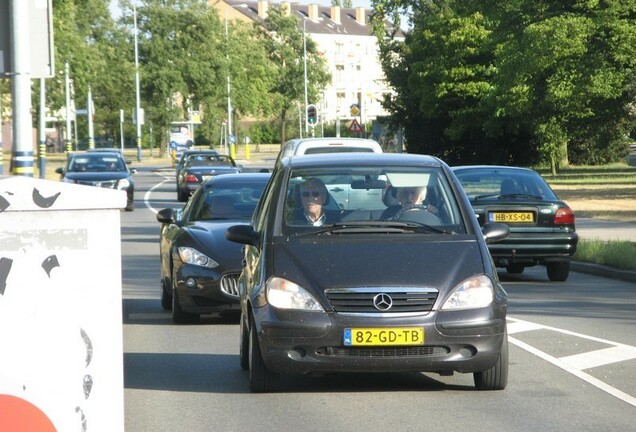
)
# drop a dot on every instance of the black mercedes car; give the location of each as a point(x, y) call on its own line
point(404, 286)
point(542, 227)
point(199, 266)
point(198, 168)
point(106, 169)
point(189, 153)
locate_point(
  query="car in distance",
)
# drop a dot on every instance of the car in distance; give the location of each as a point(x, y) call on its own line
point(199, 266)
point(199, 168)
point(365, 294)
point(542, 227)
point(187, 153)
point(106, 169)
point(306, 146)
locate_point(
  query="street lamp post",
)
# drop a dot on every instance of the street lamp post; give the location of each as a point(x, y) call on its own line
point(305, 68)
point(138, 101)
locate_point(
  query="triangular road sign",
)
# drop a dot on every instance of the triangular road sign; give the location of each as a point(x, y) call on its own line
point(355, 127)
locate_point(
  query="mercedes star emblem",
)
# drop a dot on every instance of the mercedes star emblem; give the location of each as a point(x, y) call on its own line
point(382, 302)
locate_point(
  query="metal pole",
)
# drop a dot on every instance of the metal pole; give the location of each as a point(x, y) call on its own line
point(305, 68)
point(121, 129)
point(229, 99)
point(22, 157)
point(89, 111)
point(68, 140)
point(138, 100)
point(42, 148)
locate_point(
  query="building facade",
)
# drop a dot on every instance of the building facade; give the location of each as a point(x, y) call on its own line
point(344, 37)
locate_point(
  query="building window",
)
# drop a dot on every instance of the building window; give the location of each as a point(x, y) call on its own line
point(339, 73)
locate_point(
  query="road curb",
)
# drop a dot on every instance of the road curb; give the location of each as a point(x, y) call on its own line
point(604, 271)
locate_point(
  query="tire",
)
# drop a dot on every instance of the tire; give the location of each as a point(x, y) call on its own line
point(166, 298)
point(178, 314)
point(495, 378)
point(515, 268)
point(244, 346)
point(261, 378)
point(558, 271)
point(181, 196)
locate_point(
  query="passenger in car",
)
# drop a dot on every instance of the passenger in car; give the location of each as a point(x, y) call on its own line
point(313, 196)
point(407, 198)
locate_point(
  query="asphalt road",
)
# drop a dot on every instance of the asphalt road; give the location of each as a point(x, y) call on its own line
point(572, 361)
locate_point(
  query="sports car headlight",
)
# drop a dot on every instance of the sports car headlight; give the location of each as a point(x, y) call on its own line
point(474, 292)
point(123, 184)
point(284, 294)
point(192, 256)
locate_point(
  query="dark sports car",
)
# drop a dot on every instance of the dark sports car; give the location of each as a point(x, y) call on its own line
point(199, 168)
point(199, 267)
point(542, 227)
point(187, 154)
point(106, 169)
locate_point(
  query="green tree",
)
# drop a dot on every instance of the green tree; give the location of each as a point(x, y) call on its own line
point(283, 39)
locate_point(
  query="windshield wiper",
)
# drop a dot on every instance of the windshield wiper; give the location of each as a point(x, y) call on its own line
point(358, 227)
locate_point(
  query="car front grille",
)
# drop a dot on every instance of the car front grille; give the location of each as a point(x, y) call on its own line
point(108, 184)
point(381, 299)
point(415, 351)
point(229, 284)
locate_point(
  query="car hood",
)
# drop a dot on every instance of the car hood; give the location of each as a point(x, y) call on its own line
point(333, 263)
point(211, 240)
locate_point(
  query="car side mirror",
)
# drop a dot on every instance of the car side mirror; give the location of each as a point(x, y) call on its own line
point(166, 216)
point(495, 231)
point(244, 234)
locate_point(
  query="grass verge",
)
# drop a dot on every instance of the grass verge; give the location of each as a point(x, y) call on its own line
point(617, 254)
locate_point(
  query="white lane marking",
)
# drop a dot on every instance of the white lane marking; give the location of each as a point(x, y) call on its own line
point(575, 364)
point(600, 357)
point(151, 190)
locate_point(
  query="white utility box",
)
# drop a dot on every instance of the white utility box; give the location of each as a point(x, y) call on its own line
point(61, 332)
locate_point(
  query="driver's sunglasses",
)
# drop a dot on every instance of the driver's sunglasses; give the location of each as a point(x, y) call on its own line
point(314, 194)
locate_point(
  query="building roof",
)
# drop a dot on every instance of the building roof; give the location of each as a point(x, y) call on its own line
point(321, 19)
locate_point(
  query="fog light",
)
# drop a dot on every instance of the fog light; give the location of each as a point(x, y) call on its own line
point(467, 351)
point(191, 282)
point(296, 354)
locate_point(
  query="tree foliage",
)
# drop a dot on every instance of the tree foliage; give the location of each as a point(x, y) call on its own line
point(516, 82)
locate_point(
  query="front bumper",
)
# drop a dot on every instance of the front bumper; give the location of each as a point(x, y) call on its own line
point(202, 290)
point(295, 342)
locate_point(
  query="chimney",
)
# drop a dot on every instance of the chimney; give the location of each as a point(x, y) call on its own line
point(285, 8)
point(361, 15)
point(262, 8)
point(335, 14)
point(312, 11)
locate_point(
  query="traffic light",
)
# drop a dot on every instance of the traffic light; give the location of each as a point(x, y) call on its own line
point(312, 115)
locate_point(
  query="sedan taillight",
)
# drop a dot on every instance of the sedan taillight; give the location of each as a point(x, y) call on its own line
point(564, 216)
point(190, 179)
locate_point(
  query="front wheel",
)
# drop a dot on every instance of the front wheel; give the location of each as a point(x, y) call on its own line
point(515, 268)
point(244, 345)
point(179, 316)
point(558, 271)
point(166, 299)
point(261, 378)
point(495, 378)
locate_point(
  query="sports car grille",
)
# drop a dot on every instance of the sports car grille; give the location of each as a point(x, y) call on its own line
point(229, 284)
point(397, 300)
point(417, 351)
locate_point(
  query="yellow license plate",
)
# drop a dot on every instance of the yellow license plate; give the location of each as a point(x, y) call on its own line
point(516, 217)
point(384, 336)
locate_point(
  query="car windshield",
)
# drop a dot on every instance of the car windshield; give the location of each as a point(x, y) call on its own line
point(227, 202)
point(208, 160)
point(370, 199)
point(96, 163)
point(496, 184)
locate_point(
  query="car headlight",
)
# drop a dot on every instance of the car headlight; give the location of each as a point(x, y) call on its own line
point(192, 256)
point(474, 292)
point(284, 294)
point(123, 184)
